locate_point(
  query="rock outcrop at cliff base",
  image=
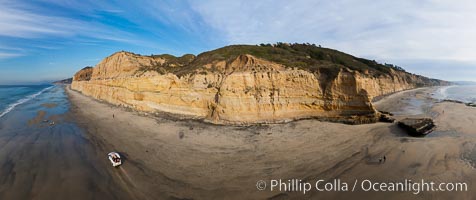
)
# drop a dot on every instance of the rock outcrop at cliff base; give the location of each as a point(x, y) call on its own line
point(248, 84)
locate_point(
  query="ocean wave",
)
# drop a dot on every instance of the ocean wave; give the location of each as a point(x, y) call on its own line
point(442, 92)
point(22, 101)
point(463, 93)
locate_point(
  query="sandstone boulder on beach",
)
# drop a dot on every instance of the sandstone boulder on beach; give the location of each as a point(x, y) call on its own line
point(417, 126)
point(386, 117)
point(471, 104)
point(460, 102)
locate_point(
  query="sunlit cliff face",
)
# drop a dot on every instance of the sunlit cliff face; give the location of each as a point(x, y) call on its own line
point(243, 90)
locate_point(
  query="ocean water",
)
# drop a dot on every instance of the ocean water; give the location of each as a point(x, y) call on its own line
point(12, 96)
point(464, 93)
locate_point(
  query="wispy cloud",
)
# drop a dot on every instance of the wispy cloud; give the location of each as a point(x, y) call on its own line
point(20, 20)
point(19, 23)
point(59, 35)
point(382, 29)
point(7, 52)
point(415, 34)
point(4, 55)
point(5, 47)
point(144, 24)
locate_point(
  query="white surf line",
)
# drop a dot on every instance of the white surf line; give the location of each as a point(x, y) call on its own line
point(21, 101)
point(443, 92)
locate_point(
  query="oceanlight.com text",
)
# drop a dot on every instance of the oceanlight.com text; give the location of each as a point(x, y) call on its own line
point(336, 185)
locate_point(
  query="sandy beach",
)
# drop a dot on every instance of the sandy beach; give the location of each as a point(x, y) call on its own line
point(55, 147)
point(169, 158)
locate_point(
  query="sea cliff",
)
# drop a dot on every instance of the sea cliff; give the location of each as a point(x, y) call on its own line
point(246, 84)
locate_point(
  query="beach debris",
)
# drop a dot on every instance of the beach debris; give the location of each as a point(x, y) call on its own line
point(417, 126)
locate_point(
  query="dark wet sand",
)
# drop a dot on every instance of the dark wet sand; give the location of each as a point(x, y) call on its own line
point(49, 105)
point(39, 161)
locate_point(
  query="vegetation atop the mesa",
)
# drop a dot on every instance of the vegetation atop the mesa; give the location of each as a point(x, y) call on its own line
point(307, 56)
point(172, 60)
point(304, 56)
point(87, 67)
point(170, 65)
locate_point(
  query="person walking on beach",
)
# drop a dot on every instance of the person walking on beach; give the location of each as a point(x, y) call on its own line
point(384, 158)
point(112, 115)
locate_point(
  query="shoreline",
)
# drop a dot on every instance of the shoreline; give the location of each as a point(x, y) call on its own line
point(173, 158)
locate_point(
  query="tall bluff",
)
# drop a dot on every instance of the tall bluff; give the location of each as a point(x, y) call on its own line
point(243, 90)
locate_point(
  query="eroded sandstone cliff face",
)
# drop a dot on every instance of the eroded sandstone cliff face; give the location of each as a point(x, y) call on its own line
point(241, 90)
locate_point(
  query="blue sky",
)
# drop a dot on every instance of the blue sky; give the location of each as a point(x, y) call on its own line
point(47, 40)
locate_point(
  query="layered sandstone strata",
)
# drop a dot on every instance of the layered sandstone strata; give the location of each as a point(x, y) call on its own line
point(244, 89)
